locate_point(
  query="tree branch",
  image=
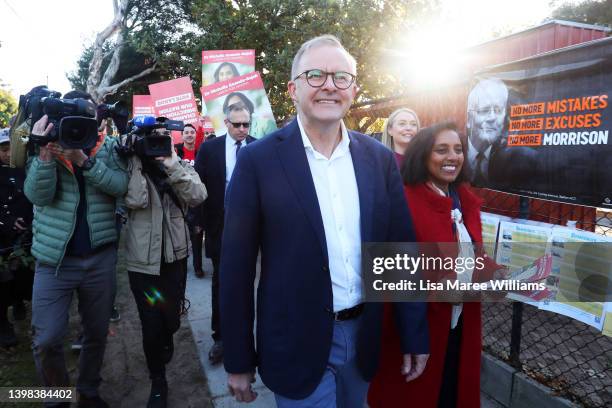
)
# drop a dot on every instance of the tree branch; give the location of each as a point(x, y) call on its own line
point(111, 89)
point(115, 61)
point(95, 67)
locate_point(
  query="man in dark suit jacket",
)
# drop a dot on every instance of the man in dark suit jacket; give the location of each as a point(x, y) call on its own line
point(307, 196)
point(187, 150)
point(215, 163)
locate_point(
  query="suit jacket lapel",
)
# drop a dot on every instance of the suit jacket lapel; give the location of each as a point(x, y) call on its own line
point(221, 163)
point(364, 170)
point(295, 163)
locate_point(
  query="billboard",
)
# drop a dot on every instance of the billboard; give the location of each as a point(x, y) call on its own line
point(539, 127)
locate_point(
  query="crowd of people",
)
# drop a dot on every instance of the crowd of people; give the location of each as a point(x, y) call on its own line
point(300, 201)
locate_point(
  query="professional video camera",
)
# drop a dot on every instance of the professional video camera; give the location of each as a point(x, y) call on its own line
point(74, 126)
point(144, 140)
point(118, 112)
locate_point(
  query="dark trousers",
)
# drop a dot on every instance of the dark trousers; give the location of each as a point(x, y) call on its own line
point(5, 301)
point(215, 323)
point(196, 246)
point(450, 378)
point(15, 290)
point(159, 301)
point(92, 277)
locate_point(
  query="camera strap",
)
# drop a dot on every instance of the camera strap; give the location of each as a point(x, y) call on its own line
point(176, 202)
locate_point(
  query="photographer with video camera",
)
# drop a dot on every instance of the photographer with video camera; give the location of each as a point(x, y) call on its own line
point(73, 178)
point(16, 266)
point(161, 189)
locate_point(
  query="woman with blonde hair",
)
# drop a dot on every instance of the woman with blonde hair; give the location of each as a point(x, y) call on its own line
point(401, 126)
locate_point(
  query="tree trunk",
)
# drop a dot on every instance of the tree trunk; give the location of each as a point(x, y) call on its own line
point(99, 83)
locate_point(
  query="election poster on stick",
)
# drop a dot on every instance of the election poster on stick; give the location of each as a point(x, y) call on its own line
point(540, 127)
point(142, 105)
point(247, 90)
point(207, 125)
point(175, 100)
point(221, 65)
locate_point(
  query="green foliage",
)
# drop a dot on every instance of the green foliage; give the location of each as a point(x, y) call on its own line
point(276, 29)
point(8, 107)
point(175, 34)
point(19, 256)
point(590, 11)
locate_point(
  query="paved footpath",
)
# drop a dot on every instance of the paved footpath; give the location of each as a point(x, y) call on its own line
point(198, 293)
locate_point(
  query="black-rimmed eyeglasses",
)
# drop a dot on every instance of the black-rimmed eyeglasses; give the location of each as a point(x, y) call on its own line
point(238, 124)
point(317, 77)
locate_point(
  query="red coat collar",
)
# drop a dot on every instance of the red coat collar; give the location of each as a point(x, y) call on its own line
point(445, 204)
point(431, 213)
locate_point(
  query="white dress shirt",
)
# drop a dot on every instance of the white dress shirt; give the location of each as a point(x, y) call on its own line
point(230, 156)
point(338, 196)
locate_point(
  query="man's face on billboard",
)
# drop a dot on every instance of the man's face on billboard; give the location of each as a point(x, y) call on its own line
point(488, 117)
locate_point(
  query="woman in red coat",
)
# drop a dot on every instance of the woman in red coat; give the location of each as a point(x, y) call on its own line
point(444, 210)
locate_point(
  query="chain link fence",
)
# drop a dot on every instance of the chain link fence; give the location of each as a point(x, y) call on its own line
point(572, 358)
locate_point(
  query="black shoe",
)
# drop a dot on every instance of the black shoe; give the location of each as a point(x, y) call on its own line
point(91, 402)
point(7, 335)
point(158, 398)
point(168, 350)
point(115, 316)
point(215, 355)
point(19, 311)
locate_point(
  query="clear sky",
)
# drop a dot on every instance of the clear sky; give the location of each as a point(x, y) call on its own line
point(42, 39)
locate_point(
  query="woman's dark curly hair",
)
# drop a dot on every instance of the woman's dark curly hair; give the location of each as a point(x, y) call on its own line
point(414, 169)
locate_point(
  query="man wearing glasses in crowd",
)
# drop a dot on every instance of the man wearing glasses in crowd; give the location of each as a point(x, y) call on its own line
point(215, 163)
point(307, 196)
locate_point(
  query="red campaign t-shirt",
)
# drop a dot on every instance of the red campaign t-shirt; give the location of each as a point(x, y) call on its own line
point(189, 155)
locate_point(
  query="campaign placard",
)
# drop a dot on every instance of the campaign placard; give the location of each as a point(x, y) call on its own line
point(175, 100)
point(247, 90)
point(540, 127)
point(581, 263)
point(490, 228)
point(142, 105)
point(607, 325)
point(221, 65)
point(519, 245)
point(207, 125)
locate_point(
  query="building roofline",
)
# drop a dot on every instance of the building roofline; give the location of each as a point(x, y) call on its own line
point(545, 23)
